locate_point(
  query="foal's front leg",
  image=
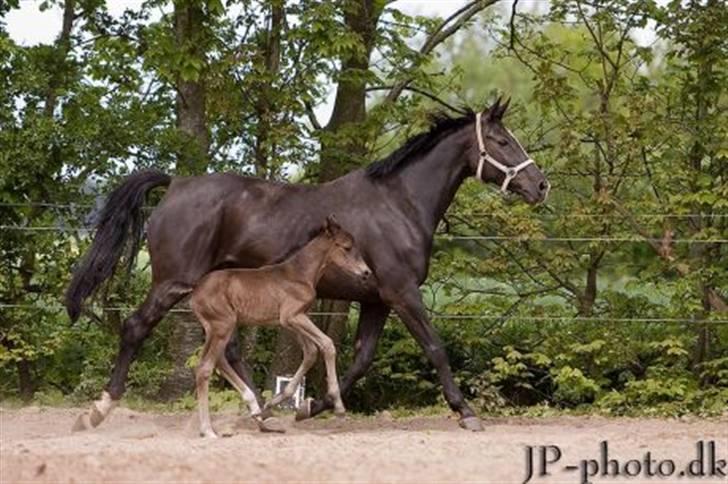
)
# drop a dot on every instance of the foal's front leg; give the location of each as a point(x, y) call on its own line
point(309, 358)
point(328, 349)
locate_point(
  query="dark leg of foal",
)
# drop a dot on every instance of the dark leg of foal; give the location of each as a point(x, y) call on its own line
point(371, 322)
point(135, 329)
point(233, 356)
point(408, 304)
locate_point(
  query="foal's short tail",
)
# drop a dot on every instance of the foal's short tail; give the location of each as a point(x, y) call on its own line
point(120, 226)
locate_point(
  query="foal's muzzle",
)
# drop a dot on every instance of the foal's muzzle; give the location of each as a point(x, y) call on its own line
point(365, 274)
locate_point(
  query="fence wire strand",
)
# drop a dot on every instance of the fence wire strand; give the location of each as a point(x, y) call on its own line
point(492, 238)
point(439, 316)
point(70, 206)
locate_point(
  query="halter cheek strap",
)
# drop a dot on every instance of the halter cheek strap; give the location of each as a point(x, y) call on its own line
point(510, 172)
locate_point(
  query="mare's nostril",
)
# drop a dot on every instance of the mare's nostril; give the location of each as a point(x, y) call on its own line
point(543, 186)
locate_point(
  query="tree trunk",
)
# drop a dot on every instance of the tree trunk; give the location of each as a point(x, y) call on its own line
point(287, 352)
point(189, 25)
point(701, 252)
point(26, 382)
point(343, 146)
point(270, 58)
point(27, 267)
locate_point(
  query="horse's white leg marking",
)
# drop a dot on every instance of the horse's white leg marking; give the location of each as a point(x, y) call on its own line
point(229, 373)
point(102, 408)
point(269, 424)
point(97, 412)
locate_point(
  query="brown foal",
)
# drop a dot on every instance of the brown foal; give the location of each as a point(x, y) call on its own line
point(278, 294)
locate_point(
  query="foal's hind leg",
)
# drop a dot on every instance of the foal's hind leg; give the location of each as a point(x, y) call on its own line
point(309, 358)
point(234, 357)
point(214, 345)
point(265, 423)
point(135, 329)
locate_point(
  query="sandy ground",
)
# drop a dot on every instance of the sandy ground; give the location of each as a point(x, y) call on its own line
point(36, 445)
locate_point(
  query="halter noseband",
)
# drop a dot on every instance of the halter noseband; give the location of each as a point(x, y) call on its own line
point(510, 172)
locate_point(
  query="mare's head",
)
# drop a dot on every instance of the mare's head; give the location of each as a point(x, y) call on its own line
point(500, 159)
point(343, 252)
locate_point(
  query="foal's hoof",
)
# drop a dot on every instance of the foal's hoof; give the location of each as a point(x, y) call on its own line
point(82, 423)
point(270, 425)
point(266, 412)
point(304, 411)
point(471, 423)
point(208, 434)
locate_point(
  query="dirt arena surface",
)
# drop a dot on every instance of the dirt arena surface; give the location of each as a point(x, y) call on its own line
point(36, 445)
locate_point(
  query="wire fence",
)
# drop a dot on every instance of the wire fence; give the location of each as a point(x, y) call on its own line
point(444, 237)
point(73, 206)
point(439, 316)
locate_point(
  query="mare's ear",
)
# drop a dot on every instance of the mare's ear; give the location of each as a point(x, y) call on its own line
point(492, 113)
point(497, 110)
point(503, 107)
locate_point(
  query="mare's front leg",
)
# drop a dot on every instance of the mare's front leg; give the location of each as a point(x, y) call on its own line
point(406, 300)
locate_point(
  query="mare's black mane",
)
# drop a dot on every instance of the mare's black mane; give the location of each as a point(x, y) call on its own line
point(419, 144)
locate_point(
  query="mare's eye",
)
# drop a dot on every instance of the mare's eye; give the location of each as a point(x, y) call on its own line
point(502, 142)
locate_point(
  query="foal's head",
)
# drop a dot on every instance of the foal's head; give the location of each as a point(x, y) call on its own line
point(343, 253)
point(501, 159)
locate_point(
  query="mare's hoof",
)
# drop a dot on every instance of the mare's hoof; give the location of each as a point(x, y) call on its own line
point(82, 423)
point(471, 423)
point(96, 417)
point(270, 424)
point(209, 434)
point(304, 411)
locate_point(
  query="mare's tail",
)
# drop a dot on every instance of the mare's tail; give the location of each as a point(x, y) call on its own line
point(120, 226)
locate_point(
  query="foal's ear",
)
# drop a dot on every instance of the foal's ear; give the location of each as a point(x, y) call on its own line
point(331, 226)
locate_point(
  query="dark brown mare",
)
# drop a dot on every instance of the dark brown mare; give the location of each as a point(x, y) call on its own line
point(392, 208)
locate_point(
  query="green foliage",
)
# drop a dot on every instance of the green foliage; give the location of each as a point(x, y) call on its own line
point(631, 134)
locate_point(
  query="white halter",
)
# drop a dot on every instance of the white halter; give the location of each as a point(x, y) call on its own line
point(509, 171)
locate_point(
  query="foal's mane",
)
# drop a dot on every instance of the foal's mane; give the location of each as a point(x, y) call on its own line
point(419, 144)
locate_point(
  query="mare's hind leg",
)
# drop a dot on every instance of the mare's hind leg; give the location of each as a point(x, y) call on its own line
point(309, 358)
point(135, 329)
